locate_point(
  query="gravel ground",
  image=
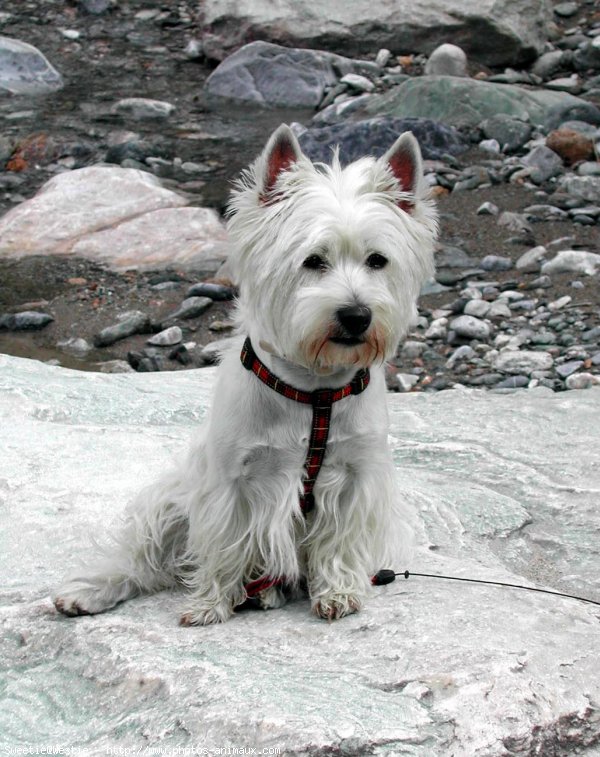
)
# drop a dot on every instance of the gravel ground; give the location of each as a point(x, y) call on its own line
point(121, 54)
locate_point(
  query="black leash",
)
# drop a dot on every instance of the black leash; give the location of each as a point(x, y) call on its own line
point(387, 576)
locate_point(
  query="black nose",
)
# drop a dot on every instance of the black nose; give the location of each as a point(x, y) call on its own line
point(354, 319)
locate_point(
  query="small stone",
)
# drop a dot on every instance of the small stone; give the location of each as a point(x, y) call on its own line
point(542, 282)
point(221, 326)
point(213, 291)
point(71, 34)
point(490, 145)
point(514, 222)
point(543, 163)
point(531, 260)
point(488, 209)
point(522, 361)
point(566, 369)
point(167, 337)
point(134, 322)
point(560, 303)
point(406, 381)
point(412, 349)
point(499, 309)
point(437, 329)
point(75, 345)
point(193, 50)
point(192, 307)
point(383, 57)
point(495, 263)
point(28, 320)
point(115, 366)
point(144, 362)
point(570, 145)
point(358, 82)
point(566, 10)
point(513, 382)
point(143, 108)
point(447, 60)
point(464, 352)
point(477, 308)
point(509, 132)
point(581, 381)
point(469, 327)
point(545, 213)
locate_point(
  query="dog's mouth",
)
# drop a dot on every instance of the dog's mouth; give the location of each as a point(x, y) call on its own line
point(347, 341)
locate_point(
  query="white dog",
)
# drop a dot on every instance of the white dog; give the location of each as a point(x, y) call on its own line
point(291, 480)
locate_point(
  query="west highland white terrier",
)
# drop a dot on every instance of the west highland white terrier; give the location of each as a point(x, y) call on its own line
point(290, 482)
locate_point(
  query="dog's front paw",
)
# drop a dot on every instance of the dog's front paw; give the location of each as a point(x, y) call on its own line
point(333, 606)
point(206, 616)
point(80, 598)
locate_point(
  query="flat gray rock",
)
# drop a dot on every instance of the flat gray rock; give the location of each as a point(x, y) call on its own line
point(269, 74)
point(504, 487)
point(496, 32)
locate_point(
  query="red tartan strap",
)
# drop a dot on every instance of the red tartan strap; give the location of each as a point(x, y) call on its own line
point(322, 401)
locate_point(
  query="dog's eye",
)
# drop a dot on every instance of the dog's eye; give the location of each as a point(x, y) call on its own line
point(315, 263)
point(377, 261)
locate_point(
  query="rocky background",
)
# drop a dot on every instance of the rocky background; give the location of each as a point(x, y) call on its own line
point(123, 122)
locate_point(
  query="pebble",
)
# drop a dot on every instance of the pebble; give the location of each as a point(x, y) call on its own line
point(477, 308)
point(213, 291)
point(495, 263)
point(143, 108)
point(469, 327)
point(488, 209)
point(566, 369)
point(522, 361)
point(192, 307)
point(581, 381)
point(145, 361)
point(531, 260)
point(358, 82)
point(406, 381)
point(75, 345)
point(115, 366)
point(167, 338)
point(28, 320)
point(133, 322)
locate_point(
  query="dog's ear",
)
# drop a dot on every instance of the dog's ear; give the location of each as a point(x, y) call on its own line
point(405, 162)
point(281, 152)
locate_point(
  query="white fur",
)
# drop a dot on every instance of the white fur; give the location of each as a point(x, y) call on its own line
point(231, 512)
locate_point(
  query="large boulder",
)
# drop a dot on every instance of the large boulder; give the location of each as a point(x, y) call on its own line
point(268, 74)
point(119, 216)
point(468, 102)
point(374, 136)
point(24, 70)
point(495, 32)
point(503, 488)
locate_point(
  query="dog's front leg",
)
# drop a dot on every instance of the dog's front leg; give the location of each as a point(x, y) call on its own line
point(337, 567)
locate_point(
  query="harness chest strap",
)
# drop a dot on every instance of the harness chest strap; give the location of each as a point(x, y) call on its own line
point(322, 402)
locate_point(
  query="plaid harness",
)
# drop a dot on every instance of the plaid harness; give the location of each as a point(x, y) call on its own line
point(322, 401)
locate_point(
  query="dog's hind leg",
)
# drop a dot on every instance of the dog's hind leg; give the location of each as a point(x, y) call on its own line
point(141, 558)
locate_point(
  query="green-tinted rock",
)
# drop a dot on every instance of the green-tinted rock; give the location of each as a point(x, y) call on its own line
point(468, 102)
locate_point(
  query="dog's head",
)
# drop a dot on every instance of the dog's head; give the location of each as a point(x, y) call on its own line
point(330, 260)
